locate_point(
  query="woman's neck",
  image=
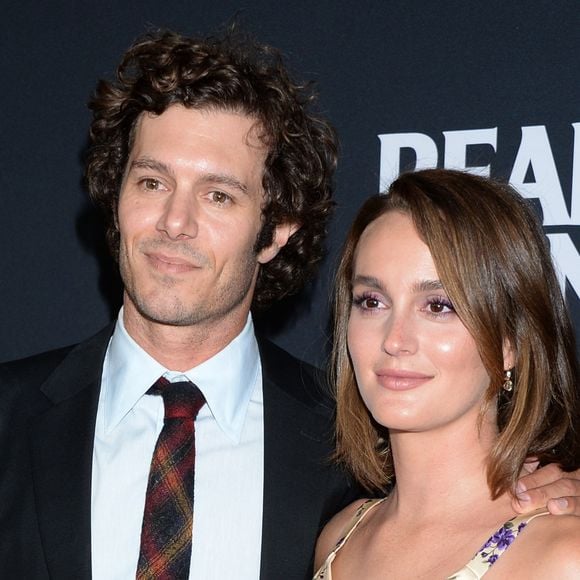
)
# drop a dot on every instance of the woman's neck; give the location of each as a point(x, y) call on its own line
point(442, 471)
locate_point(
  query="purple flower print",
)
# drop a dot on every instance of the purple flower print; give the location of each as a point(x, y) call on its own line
point(498, 542)
point(503, 537)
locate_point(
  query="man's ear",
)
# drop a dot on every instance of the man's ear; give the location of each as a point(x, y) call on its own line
point(282, 234)
point(509, 355)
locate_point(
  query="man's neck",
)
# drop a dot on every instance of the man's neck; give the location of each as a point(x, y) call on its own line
point(180, 348)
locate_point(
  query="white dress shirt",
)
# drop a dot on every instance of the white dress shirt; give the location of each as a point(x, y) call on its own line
point(229, 464)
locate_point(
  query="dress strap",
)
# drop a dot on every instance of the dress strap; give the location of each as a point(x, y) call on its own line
point(358, 517)
point(495, 546)
point(360, 514)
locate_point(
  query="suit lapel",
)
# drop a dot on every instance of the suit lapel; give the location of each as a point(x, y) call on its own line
point(62, 450)
point(296, 453)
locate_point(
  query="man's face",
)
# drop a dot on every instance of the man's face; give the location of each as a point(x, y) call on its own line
point(189, 215)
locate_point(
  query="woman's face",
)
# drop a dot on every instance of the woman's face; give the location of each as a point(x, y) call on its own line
point(417, 366)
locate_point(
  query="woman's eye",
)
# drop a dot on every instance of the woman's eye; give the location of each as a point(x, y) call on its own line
point(440, 306)
point(367, 302)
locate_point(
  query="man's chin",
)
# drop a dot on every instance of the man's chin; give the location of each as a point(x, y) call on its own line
point(171, 317)
point(167, 311)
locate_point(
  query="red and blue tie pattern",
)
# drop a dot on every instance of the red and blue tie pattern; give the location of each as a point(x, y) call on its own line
point(166, 534)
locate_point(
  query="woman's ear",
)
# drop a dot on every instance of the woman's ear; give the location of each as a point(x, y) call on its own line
point(509, 355)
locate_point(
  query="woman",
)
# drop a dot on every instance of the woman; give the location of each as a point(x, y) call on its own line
point(450, 320)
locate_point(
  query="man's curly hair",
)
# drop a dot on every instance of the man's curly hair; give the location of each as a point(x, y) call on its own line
point(231, 74)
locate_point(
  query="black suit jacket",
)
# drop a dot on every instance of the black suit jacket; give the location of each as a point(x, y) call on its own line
point(48, 406)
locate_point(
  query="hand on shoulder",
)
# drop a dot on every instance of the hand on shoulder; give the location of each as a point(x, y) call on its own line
point(548, 486)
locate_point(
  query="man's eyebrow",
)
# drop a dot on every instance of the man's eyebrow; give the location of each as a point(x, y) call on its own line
point(152, 164)
point(217, 178)
point(225, 179)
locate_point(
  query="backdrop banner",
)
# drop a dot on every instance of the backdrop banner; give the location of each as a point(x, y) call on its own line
point(490, 87)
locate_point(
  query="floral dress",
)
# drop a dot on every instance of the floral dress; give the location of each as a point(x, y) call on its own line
point(484, 558)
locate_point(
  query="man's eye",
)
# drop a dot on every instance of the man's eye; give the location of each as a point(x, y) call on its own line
point(220, 197)
point(151, 184)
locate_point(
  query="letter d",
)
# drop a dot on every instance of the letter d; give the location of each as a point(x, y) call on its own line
point(391, 145)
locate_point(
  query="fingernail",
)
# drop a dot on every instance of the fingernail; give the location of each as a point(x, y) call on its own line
point(523, 496)
point(562, 503)
point(520, 487)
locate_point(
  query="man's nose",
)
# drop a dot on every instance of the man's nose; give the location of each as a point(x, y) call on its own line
point(179, 217)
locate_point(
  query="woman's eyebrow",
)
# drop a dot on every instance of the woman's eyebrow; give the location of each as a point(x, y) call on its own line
point(371, 281)
point(427, 286)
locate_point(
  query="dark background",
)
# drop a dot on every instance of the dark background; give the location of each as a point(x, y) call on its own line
point(381, 67)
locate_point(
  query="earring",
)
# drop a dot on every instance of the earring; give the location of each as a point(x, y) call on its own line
point(508, 384)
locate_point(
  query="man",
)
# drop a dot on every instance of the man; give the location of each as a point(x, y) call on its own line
point(216, 185)
point(215, 181)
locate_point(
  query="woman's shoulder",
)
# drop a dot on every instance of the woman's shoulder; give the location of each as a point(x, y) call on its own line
point(338, 526)
point(561, 535)
point(551, 548)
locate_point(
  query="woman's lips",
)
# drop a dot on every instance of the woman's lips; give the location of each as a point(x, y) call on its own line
point(401, 380)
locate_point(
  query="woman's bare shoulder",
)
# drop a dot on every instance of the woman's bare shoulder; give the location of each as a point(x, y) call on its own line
point(552, 549)
point(333, 531)
point(563, 546)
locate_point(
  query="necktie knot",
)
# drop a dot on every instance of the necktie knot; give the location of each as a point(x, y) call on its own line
point(182, 400)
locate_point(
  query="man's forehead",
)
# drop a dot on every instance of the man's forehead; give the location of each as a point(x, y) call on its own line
point(254, 134)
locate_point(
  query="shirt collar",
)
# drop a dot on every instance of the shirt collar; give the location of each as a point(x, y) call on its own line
point(227, 380)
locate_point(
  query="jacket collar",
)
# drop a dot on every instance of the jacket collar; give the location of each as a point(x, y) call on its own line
point(61, 449)
point(297, 448)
